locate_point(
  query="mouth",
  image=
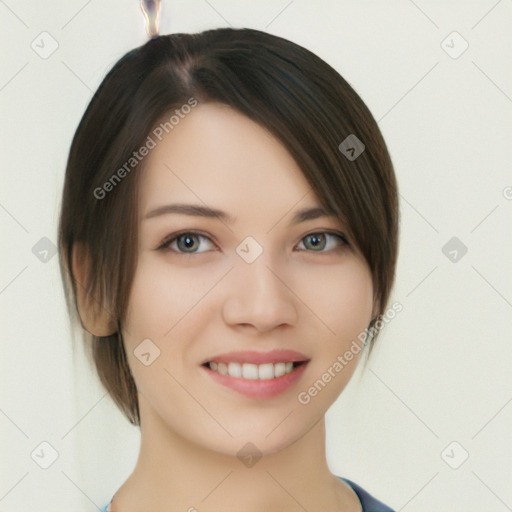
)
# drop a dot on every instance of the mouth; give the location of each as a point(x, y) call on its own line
point(250, 371)
point(257, 375)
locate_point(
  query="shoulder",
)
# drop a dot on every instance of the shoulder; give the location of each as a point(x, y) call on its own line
point(368, 502)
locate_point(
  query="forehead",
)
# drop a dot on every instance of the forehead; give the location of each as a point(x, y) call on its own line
point(220, 157)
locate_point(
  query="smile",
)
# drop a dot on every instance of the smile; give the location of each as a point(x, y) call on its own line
point(256, 375)
point(251, 371)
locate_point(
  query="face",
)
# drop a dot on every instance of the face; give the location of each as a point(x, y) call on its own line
point(255, 290)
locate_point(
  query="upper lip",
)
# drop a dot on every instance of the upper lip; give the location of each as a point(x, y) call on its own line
point(248, 356)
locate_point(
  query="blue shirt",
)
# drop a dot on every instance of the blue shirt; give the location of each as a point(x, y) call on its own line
point(368, 502)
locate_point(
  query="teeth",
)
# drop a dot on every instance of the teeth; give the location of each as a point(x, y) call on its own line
point(234, 370)
point(266, 371)
point(280, 369)
point(251, 371)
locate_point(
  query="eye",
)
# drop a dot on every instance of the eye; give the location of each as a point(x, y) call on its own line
point(318, 242)
point(186, 242)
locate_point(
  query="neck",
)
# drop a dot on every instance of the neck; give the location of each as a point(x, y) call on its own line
point(173, 473)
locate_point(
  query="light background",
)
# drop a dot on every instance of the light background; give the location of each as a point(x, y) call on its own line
point(441, 370)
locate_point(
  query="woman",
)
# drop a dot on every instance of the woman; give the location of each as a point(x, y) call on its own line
point(229, 236)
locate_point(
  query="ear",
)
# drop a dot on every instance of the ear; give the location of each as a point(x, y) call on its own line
point(94, 316)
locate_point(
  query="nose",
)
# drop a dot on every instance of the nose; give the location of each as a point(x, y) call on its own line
point(259, 296)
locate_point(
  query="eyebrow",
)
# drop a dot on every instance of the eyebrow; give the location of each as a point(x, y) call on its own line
point(204, 211)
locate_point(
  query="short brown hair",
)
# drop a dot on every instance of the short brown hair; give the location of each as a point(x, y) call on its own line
point(287, 89)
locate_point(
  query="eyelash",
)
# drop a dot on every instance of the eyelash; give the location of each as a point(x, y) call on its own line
point(164, 246)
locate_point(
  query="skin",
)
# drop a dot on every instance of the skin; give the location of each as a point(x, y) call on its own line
point(293, 296)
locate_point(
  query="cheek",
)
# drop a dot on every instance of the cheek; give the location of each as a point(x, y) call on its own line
point(355, 302)
point(340, 297)
point(161, 296)
point(162, 309)
point(168, 305)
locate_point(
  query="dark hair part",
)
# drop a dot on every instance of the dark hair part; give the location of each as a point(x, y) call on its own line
point(282, 86)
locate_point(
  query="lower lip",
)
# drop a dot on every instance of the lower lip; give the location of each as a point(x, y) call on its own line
point(257, 388)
